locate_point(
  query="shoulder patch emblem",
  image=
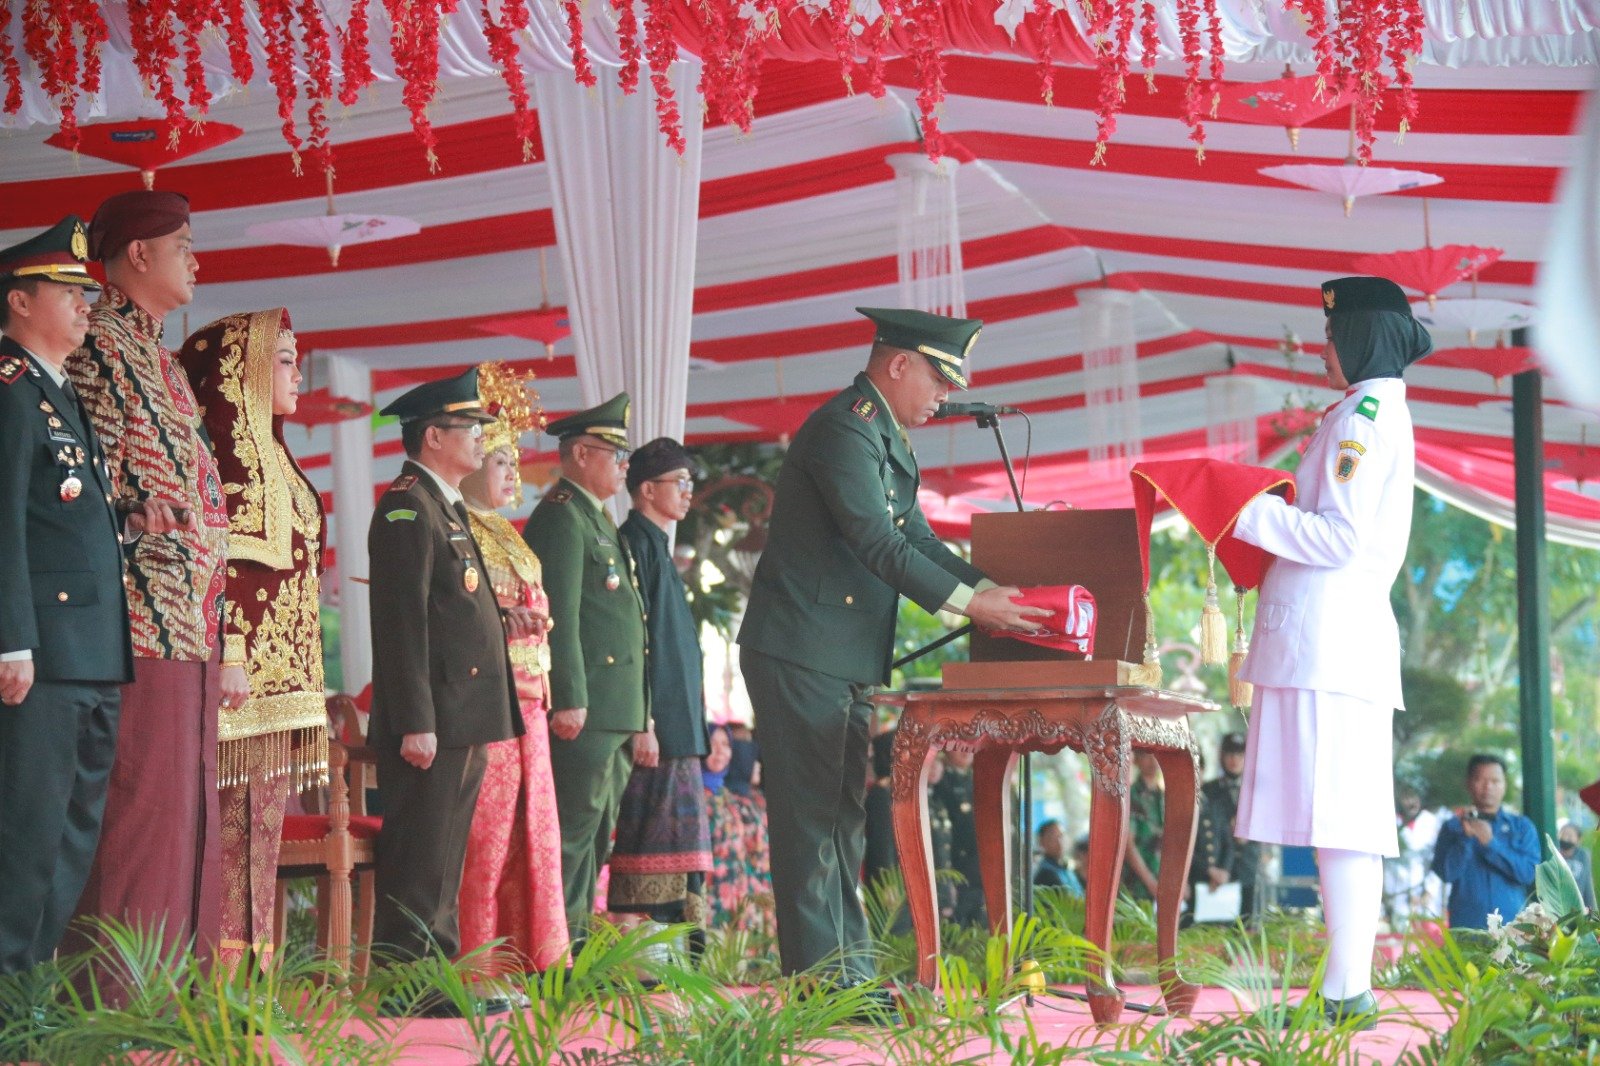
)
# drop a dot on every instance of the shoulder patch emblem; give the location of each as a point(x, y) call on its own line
point(865, 409)
point(1353, 445)
point(403, 483)
point(10, 369)
point(1344, 465)
point(1369, 407)
point(560, 496)
point(401, 514)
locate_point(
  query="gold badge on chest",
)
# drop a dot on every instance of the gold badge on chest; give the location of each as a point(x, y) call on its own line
point(470, 578)
point(71, 488)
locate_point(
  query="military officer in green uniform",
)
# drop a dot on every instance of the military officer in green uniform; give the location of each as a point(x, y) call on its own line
point(64, 646)
point(442, 685)
point(597, 644)
point(847, 540)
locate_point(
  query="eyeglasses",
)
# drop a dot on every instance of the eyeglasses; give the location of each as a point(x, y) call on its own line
point(618, 454)
point(685, 484)
point(472, 429)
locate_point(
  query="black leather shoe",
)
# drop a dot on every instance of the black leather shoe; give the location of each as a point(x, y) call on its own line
point(880, 1008)
point(437, 1006)
point(1363, 1007)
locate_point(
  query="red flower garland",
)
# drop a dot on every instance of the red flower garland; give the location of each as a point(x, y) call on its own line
point(48, 39)
point(582, 69)
point(194, 20)
point(632, 48)
point(414, 43)
point(238, 37)
point(319, 84)
point(355, 55)
point(1189, 35)
point(279, 40)
point(1043, 13)
point(661, 49)
point(502, 37)
point(9, 64)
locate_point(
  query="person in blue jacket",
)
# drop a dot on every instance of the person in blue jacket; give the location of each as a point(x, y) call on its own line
point(1486, 854)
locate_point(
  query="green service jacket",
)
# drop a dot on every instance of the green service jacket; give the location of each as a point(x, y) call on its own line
point(597, 636)
point(439, 661)
point(61, 560)
point(847, 540)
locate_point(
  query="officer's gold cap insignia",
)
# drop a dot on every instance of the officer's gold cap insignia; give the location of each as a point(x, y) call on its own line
point(80, 242)
point(1327, 299)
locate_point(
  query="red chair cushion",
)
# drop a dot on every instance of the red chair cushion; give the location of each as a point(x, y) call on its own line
point(315, 826)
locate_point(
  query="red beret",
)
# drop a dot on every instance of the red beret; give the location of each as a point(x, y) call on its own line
point(140, 215)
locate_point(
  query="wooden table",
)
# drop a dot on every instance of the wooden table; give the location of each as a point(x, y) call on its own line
point(1107, 724)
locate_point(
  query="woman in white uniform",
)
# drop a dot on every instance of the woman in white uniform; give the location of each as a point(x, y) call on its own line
point(1325, 655)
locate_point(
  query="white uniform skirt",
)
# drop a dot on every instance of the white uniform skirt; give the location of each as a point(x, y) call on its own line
point(1319, 772)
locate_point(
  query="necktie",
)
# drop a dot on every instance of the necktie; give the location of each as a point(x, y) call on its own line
point(69, 392)
point(461, 512)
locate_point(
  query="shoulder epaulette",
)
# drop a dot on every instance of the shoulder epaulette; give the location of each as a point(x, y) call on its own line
point(11, 369)
point(559, 496)
point(865, 409)
point(403, 483)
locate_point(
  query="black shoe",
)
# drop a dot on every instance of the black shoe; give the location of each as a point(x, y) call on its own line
point(1363, 1008)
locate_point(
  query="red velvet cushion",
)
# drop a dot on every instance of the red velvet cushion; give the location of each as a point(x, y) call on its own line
point(315, 826)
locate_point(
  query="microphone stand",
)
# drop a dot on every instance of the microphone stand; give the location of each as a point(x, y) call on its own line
point(1024, 845)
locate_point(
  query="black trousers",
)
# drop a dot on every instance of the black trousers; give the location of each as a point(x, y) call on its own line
point(56, 751)
point(422, 848)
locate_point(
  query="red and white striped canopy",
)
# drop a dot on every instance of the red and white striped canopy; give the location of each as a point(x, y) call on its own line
point(798, 226)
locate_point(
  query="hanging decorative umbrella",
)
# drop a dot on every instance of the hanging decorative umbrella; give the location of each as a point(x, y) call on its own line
point(544, 324)
point(1474, 315)
point(333, 230)
point(1582, 468)
point(146, 144)
point(1289, 102)
point(1350, 179)
point(320, 407)
point(1498, 362)
point(1430, 270)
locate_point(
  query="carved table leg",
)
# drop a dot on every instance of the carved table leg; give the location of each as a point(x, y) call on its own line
point(910, 807)
point(1108, 842)
point(1179, 771)
point(992, 770)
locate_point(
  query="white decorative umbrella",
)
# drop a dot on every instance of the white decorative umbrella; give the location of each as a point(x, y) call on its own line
point(1473, 314)
point(1350, 179)
point(333, 230)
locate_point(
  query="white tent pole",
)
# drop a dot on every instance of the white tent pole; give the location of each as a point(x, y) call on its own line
point(352, 514)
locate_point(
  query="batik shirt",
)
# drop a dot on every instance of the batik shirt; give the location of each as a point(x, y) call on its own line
point(148, 421)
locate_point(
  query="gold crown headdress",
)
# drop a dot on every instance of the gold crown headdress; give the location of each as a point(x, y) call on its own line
point(516, 407)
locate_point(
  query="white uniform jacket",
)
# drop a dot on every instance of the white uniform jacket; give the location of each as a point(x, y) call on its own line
point(1323, 619)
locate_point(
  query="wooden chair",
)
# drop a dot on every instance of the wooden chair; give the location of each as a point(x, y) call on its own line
point(336, 844)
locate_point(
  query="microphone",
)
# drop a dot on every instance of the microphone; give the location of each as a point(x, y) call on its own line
point(975, 410)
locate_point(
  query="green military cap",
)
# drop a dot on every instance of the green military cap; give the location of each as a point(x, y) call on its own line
point(945, 341)
point(608, 421)
point(57, 254)
point(1342, 295)
point(447, 396)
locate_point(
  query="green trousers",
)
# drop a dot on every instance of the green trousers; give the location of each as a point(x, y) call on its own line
point(813, 734)
point(591, 772)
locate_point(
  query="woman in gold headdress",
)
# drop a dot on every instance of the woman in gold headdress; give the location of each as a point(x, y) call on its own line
point(511, 884)
point(245, 372)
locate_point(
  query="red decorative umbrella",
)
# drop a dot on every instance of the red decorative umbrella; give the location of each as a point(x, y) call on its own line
point(146, 143)
point(1429, 270)
point(545, 325)
point(1496, 362)
point(1584, 466)
point(1289, 101)
point(321, 407)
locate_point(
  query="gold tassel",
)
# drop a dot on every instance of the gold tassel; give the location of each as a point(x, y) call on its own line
point(1148, 673)
point(1213, 627)
point(1240, 692)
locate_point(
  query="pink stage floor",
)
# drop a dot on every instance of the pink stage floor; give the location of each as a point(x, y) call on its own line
point(1059, 1022)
